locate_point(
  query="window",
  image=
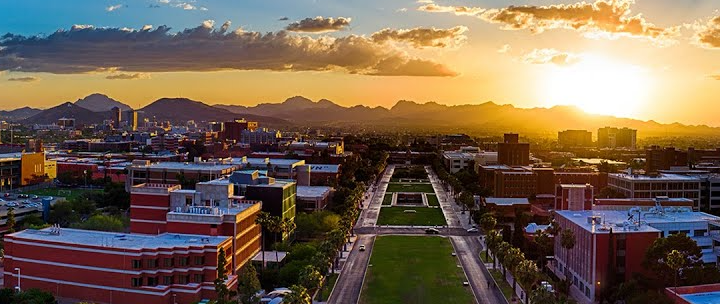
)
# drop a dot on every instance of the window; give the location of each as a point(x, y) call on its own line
point(167, 280)
point(183, 261)
point(699, 232)
point(136, 264)
point(168, 262)
point(152, 263)
point(199, 260)
point(152, 281)
point(182, 279)
point(198, 278)
point(137, 282)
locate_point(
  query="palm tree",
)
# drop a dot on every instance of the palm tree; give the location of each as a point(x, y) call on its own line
point(298, 295)
point(492, 240)
point(675, 260)
point(263, 219)
point(276, 227)
point(513, 258)
point(501, 253)
point(567, 241)
point(528, 274)
point(544, 243)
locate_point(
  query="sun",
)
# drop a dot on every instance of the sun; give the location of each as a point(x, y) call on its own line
point(598, 85)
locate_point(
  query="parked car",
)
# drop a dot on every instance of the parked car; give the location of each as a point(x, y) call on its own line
point(472, 230)
point(432, 231)
point(362, 248)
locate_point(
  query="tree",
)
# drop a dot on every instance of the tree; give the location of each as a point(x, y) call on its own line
point(10, 220)
point(101, 223)
point(502, 250)
point(487, 222)
point(248, 285)
point(544, 244)
point(263, 219)
point(492, 240)
point(656, 256)
point(310, 277)
point(675, 260)
point(528, 274)
point(221, 288)
point(567, 241)
point(513, 258)
point(298, 295)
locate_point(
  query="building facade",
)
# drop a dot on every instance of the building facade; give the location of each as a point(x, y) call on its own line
point(511, 152)
point(575, 138)
point(650, 186)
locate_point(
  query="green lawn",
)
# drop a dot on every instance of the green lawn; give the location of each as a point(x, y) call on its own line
point(387, 200)
point(422, 217)
point(401, 187)
point(414, 270)
point(485, 258)
point(59, 192)
point(432, 200)
point(504, 285)
point(329, 285)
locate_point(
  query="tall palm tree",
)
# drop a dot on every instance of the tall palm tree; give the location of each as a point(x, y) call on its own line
point(492, 240)
point(567, 241)
point(528, 274)
point(501, 253)
point(263, 219)
point(513, 258)
point(276, 227)
point(543, 242)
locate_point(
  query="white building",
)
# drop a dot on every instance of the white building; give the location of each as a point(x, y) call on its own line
point(460, 159)
point(651, 186)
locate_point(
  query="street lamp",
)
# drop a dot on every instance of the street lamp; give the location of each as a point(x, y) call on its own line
point(85, 175)
point(174, 298)
point(18, 283)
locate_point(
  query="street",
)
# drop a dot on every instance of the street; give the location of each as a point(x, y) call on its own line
point(467, 245)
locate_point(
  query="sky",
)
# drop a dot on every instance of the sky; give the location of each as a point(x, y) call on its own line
point(645, 59)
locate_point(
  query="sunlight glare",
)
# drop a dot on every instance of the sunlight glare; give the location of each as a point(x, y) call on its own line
point(598, 85)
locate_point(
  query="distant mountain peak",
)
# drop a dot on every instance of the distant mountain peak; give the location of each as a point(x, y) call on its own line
point(298, 101)
point(98, 102)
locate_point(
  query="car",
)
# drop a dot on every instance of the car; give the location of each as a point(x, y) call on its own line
point(7, 194)
point(432, 231)
point(35, 197)
point(362, 248)
point(472, 230)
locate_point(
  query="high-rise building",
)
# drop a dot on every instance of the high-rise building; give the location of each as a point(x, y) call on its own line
point(611, 137)
point(233, 129)
point(657, 158)
point(511, 152)
point(133, 120)
point(575, 138)
point(117, 117)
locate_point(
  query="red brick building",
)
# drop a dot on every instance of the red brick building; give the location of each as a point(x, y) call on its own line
point(574, 197)
point(170, 256)
point(104, 267)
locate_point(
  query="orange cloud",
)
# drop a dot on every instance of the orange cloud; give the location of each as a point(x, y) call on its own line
point(708, 35)
point(423, 37)
point(603, 18)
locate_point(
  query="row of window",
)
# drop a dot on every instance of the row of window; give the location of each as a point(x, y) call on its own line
point(168, 280)
point(167, 262)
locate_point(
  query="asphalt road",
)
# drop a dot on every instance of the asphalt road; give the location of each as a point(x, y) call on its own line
point(467, 246)
point(467, 249)
point(349, 284)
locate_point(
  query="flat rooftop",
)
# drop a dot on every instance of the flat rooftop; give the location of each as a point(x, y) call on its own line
point(660, 177)
point(205, 166)
point(506, 201)
point(119, 240)
point(618, 219)
point(324, 168)
point(312, 191)
point(275, 161)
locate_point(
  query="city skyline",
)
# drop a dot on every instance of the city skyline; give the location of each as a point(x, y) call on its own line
point(624, 58)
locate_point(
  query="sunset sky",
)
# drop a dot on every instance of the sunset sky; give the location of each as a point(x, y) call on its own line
point(647, 59)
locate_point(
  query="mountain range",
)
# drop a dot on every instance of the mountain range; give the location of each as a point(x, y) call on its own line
point(298, 111)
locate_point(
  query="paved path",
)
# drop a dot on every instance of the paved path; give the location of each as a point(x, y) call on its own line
point(349, 284)
point(467, 245)
point(467, 249)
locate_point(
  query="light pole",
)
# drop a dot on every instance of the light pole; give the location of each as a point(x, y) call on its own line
point(18, 272)
point(174, 298)
point(85, 175)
